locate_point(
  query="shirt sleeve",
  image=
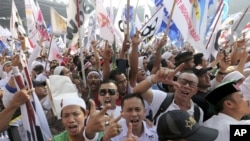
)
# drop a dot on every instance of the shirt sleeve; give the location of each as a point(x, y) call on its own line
point(158, 98)
point(93, 139)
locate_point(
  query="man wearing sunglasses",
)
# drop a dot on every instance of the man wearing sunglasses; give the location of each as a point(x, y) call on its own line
point(108, 94)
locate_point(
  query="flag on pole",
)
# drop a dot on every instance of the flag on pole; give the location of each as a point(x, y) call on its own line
point(16, 25)
point(58, 22)
point(153, 24)
point(191, 19)
point(86, 9)
point(107, 31)
point(31, 12)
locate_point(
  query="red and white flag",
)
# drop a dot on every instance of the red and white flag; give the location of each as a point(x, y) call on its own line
point(246, 31)
point(106, 27)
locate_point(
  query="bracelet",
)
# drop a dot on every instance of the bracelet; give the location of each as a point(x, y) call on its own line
point(221, 73)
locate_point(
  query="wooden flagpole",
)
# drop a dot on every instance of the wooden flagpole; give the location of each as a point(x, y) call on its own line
point(241, 19)
point(220, 12)
point(80, 43)
point(127, 18)
point(170, 18)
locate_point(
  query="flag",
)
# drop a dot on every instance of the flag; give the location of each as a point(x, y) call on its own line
point(33, 117)
point(153, 24)
point(225, 9)
point(58, 22)
point(30, 12)
point(132, 29)
point(16, 25)
point(41, 25)
point(174, 34)
point(246, 31)
point(4, 32)
point(2, 46)
point(231, 21)
point(190, 18)
point(77, 19)
point(213, 33)
point(106, 28)
point(119, 22)
point(55, 51)
point(147, 13)
point(91, 31)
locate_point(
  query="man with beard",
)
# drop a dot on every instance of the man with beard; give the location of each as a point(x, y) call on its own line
point(93, 82)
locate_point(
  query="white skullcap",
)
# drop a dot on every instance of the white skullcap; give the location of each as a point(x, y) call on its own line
point(35, 63)
point(235, 75)
point(58, 70)
point(166, 55)
point(247, 65)
point(246, 72)
point(6, 62)
point(245, 87)
point(66, 101)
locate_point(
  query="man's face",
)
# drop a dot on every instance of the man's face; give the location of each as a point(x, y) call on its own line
point(73, 120)
point(240, 104)
point(108, 94)
point(188, 86)
point(189, 64)
point(134, 112)
point(204, 80)
point(41, 91)
point(93, 81)
point(122, 84)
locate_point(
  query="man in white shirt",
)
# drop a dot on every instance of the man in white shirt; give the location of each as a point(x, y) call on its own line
point(133, 109)
point(231, 107)
point(185, 89)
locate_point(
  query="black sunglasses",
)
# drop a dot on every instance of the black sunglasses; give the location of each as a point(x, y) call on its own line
point(103, 92)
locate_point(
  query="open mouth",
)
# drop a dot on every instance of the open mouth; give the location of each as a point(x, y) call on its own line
point(72, 128)
point(107, 101)
point(134, 121)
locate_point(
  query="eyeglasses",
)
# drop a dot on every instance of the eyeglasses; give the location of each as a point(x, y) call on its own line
point(103, 92)
point(184, 81)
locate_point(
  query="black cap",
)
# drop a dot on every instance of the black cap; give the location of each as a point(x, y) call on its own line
point(198, 58)
point(178, 124)
point(38, 83)
point(222, 91)
point(183, 57)
point(199, 70)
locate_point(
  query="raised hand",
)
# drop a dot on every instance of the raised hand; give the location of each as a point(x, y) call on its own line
point(107, 52)
point(113, 129)
point(130, 136)
point(136, 40)
point(97, 121)
point(166, 75)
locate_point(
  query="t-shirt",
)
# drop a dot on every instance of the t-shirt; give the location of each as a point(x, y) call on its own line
point(64, 136)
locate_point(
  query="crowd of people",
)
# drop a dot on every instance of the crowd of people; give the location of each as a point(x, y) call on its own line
point(159, 94)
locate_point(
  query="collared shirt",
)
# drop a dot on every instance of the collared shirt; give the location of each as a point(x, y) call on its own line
point(158, 98)
point(223, 122)
point(149, 134)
